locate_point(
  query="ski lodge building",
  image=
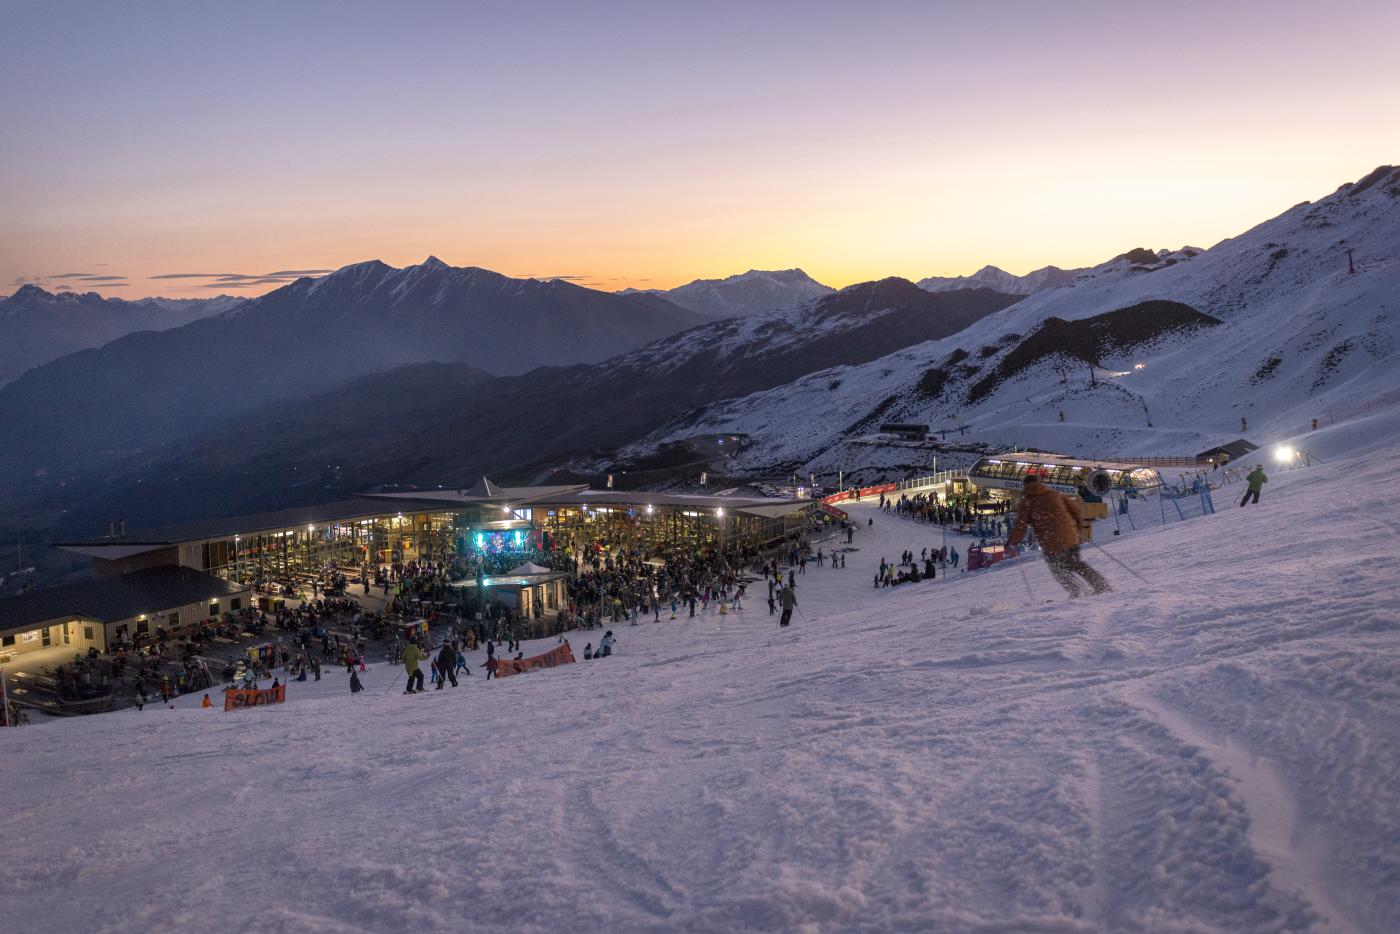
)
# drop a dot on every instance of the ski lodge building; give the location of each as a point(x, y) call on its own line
point(183, 575)
point(104, 612)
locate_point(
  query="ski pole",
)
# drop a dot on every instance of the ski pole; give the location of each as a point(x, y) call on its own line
point(1117, 562)
point(1027, 581)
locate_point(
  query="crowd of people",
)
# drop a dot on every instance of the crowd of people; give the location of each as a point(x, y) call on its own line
point(958, 511)
point(624, 586)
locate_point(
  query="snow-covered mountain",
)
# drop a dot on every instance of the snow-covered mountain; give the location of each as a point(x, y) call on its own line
point(748, 293)
point(1299, 337)
point(532, 423)
point(37, 326)
point(990, 277)
point(310, 336)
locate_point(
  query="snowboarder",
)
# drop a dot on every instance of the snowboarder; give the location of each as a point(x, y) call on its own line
point(1256, 481)
point(355, 685)
point(605, 644)
point(1056, 519)
point(788, 598)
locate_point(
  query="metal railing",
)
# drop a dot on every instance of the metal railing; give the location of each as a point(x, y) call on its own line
point(943, 476)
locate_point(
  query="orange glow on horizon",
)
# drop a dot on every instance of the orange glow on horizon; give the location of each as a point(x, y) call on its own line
point(855, 142)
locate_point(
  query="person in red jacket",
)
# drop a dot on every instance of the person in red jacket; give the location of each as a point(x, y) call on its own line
point(1056, 519)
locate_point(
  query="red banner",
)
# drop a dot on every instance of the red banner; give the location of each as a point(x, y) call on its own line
point(560, 655)
point(233, 700)
point(861, 493)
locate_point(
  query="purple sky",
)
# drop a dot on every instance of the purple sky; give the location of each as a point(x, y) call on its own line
point(650, 143)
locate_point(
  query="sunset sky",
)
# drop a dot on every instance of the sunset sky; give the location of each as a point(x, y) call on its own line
point(651, 143)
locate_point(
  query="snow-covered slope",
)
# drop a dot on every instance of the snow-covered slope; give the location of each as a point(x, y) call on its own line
point(990, 277)
point(749, 293)
point(1300, 337)
point(1213, 748)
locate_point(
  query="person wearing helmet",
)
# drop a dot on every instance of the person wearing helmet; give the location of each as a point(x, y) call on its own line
point(1256, 481)
point(1056, 519)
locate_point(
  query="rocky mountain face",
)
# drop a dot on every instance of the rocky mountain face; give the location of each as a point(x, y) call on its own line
point(37, 326)
point(749, 293)
point(154, 388)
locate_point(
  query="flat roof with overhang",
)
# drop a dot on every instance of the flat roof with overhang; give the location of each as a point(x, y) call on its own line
point(108, 599)
point(225, 528)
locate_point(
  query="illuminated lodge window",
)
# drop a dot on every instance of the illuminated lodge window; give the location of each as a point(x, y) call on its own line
point(1068, 475)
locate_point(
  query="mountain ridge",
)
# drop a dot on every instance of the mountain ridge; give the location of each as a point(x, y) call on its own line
point(747, 293)
point(530, 420)
point(38, 326)
point(1299, 335)
point(308, 336)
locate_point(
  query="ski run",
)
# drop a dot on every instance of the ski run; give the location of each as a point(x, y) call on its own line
point(1214, 747)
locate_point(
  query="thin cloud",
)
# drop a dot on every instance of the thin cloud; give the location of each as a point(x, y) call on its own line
point(87, 276)
point(281, 275)
point(189, 275)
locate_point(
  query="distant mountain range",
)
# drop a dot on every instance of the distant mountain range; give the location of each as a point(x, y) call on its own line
point(37, 326)
point(152, 388)
point(990, 277)
point(449, 423)
point(433, 374)
point(749, 293)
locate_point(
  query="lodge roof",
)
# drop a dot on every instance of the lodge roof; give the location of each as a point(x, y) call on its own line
point(1237, 448)
point(106, 599)
point(228, 527)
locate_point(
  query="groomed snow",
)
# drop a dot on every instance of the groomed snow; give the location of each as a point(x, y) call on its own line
point(1216, 748)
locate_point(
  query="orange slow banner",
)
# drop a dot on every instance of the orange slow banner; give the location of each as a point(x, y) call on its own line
point(560, 655)
point(234, 699)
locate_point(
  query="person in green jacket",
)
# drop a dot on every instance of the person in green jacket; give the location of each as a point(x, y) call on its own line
point(412, 655)
point(1256, 481)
